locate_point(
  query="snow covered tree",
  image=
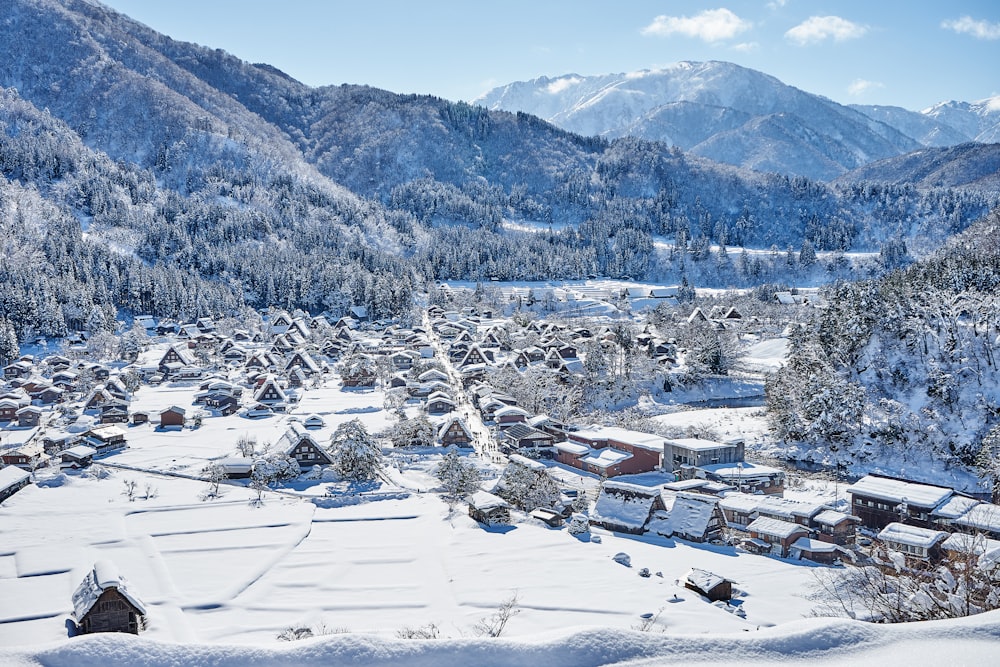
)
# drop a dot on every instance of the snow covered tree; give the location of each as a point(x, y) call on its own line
point(416, 432)
point(8, 342)
point(356, 456)
point(897, 591)
point(215, 474)
point(988, 461)
point(527, 487)
point(458, 476)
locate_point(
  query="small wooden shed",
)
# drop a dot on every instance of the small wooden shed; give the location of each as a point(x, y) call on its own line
point(489, 509)
point(103, 603)
point(711, 585)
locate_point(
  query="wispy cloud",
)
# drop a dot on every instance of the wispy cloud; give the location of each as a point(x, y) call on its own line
point(560, 85)
point(711, 25)
point(746, 47)
point(817, 29)
point(977, 28)
point(859, 87)
point(776, 4)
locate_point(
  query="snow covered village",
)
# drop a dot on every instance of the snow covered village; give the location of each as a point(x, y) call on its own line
point(301, 477)
point(556, 334)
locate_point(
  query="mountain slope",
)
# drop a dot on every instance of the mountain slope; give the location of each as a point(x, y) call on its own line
point(969, 165)
point(638, 103)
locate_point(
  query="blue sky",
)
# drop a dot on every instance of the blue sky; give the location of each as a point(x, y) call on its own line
point(909, 53)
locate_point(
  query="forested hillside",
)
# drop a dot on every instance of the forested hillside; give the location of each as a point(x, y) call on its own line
point(902, 368)
point(177, 180)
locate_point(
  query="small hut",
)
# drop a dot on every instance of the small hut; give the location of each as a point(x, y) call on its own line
point(489, 509)
point(103, 603)
point(713, 586)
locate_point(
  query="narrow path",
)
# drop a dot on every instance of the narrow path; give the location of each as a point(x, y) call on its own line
point(483, 441)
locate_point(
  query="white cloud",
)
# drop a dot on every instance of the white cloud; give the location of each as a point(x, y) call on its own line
point(560, 85)
point(776, 4)
point(859, 87)
point(970, 26)
point(746, 47)
point(820, 28)
point(711, 25)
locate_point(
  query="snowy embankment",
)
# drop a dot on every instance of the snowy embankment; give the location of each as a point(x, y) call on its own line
point(975, 640)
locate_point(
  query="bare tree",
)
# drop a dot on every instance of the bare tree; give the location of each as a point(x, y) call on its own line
point(247, 446)
point(215, 473)
point(494, 624)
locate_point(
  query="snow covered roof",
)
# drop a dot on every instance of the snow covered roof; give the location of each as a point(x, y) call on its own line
point(700, 444)
point(79, 452)
point(740, 469)
point(526, 462)
point(703, 580)
point(984, 516)
point(832, 517)
point(605, 457)
point(775, 527)
point(897, 490)
point(483, 500)
point(954, 507)
point(103, 576)
point(12, 476)
point(686, 515)
point(973, 544)
point(572, 448)
point(814, 546)
point(900, 533)
point(625, 505)
point(639, 439)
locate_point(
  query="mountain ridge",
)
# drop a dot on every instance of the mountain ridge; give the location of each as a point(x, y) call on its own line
point(643, 104)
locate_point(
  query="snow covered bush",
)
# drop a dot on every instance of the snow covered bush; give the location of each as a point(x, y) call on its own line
point(579, 524)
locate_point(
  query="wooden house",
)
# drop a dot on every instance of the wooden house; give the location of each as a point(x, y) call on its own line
point(28, 416)
point(298, 443)
point(835, 527)
point(918, 545)
point(103, 602)
point(713, 586)
point(489, 509)
point(175, 358)
point(880, 500)
point(172, 416)
point(439, 403)
point(523, 436)
point(79, 456)
point(455, 432)
point(270, 392)
point(12, 480)
point(625, 508)
point(105, 439)
point(305, 362)
point(775, 536)
point(695, 517)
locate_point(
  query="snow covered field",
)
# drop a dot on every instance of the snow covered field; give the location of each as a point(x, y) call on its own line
point(222, 577)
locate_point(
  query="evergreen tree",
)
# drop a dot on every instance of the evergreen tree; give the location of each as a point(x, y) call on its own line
point(9, 350)
point(458, 476)
point(356, 456)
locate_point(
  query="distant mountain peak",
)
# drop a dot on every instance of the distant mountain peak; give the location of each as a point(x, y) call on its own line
point(694, 106)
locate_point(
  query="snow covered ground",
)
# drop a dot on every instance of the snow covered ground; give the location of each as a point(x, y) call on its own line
point(223, 577)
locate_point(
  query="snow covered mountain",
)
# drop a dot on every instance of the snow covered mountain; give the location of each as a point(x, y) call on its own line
point(742, 117)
